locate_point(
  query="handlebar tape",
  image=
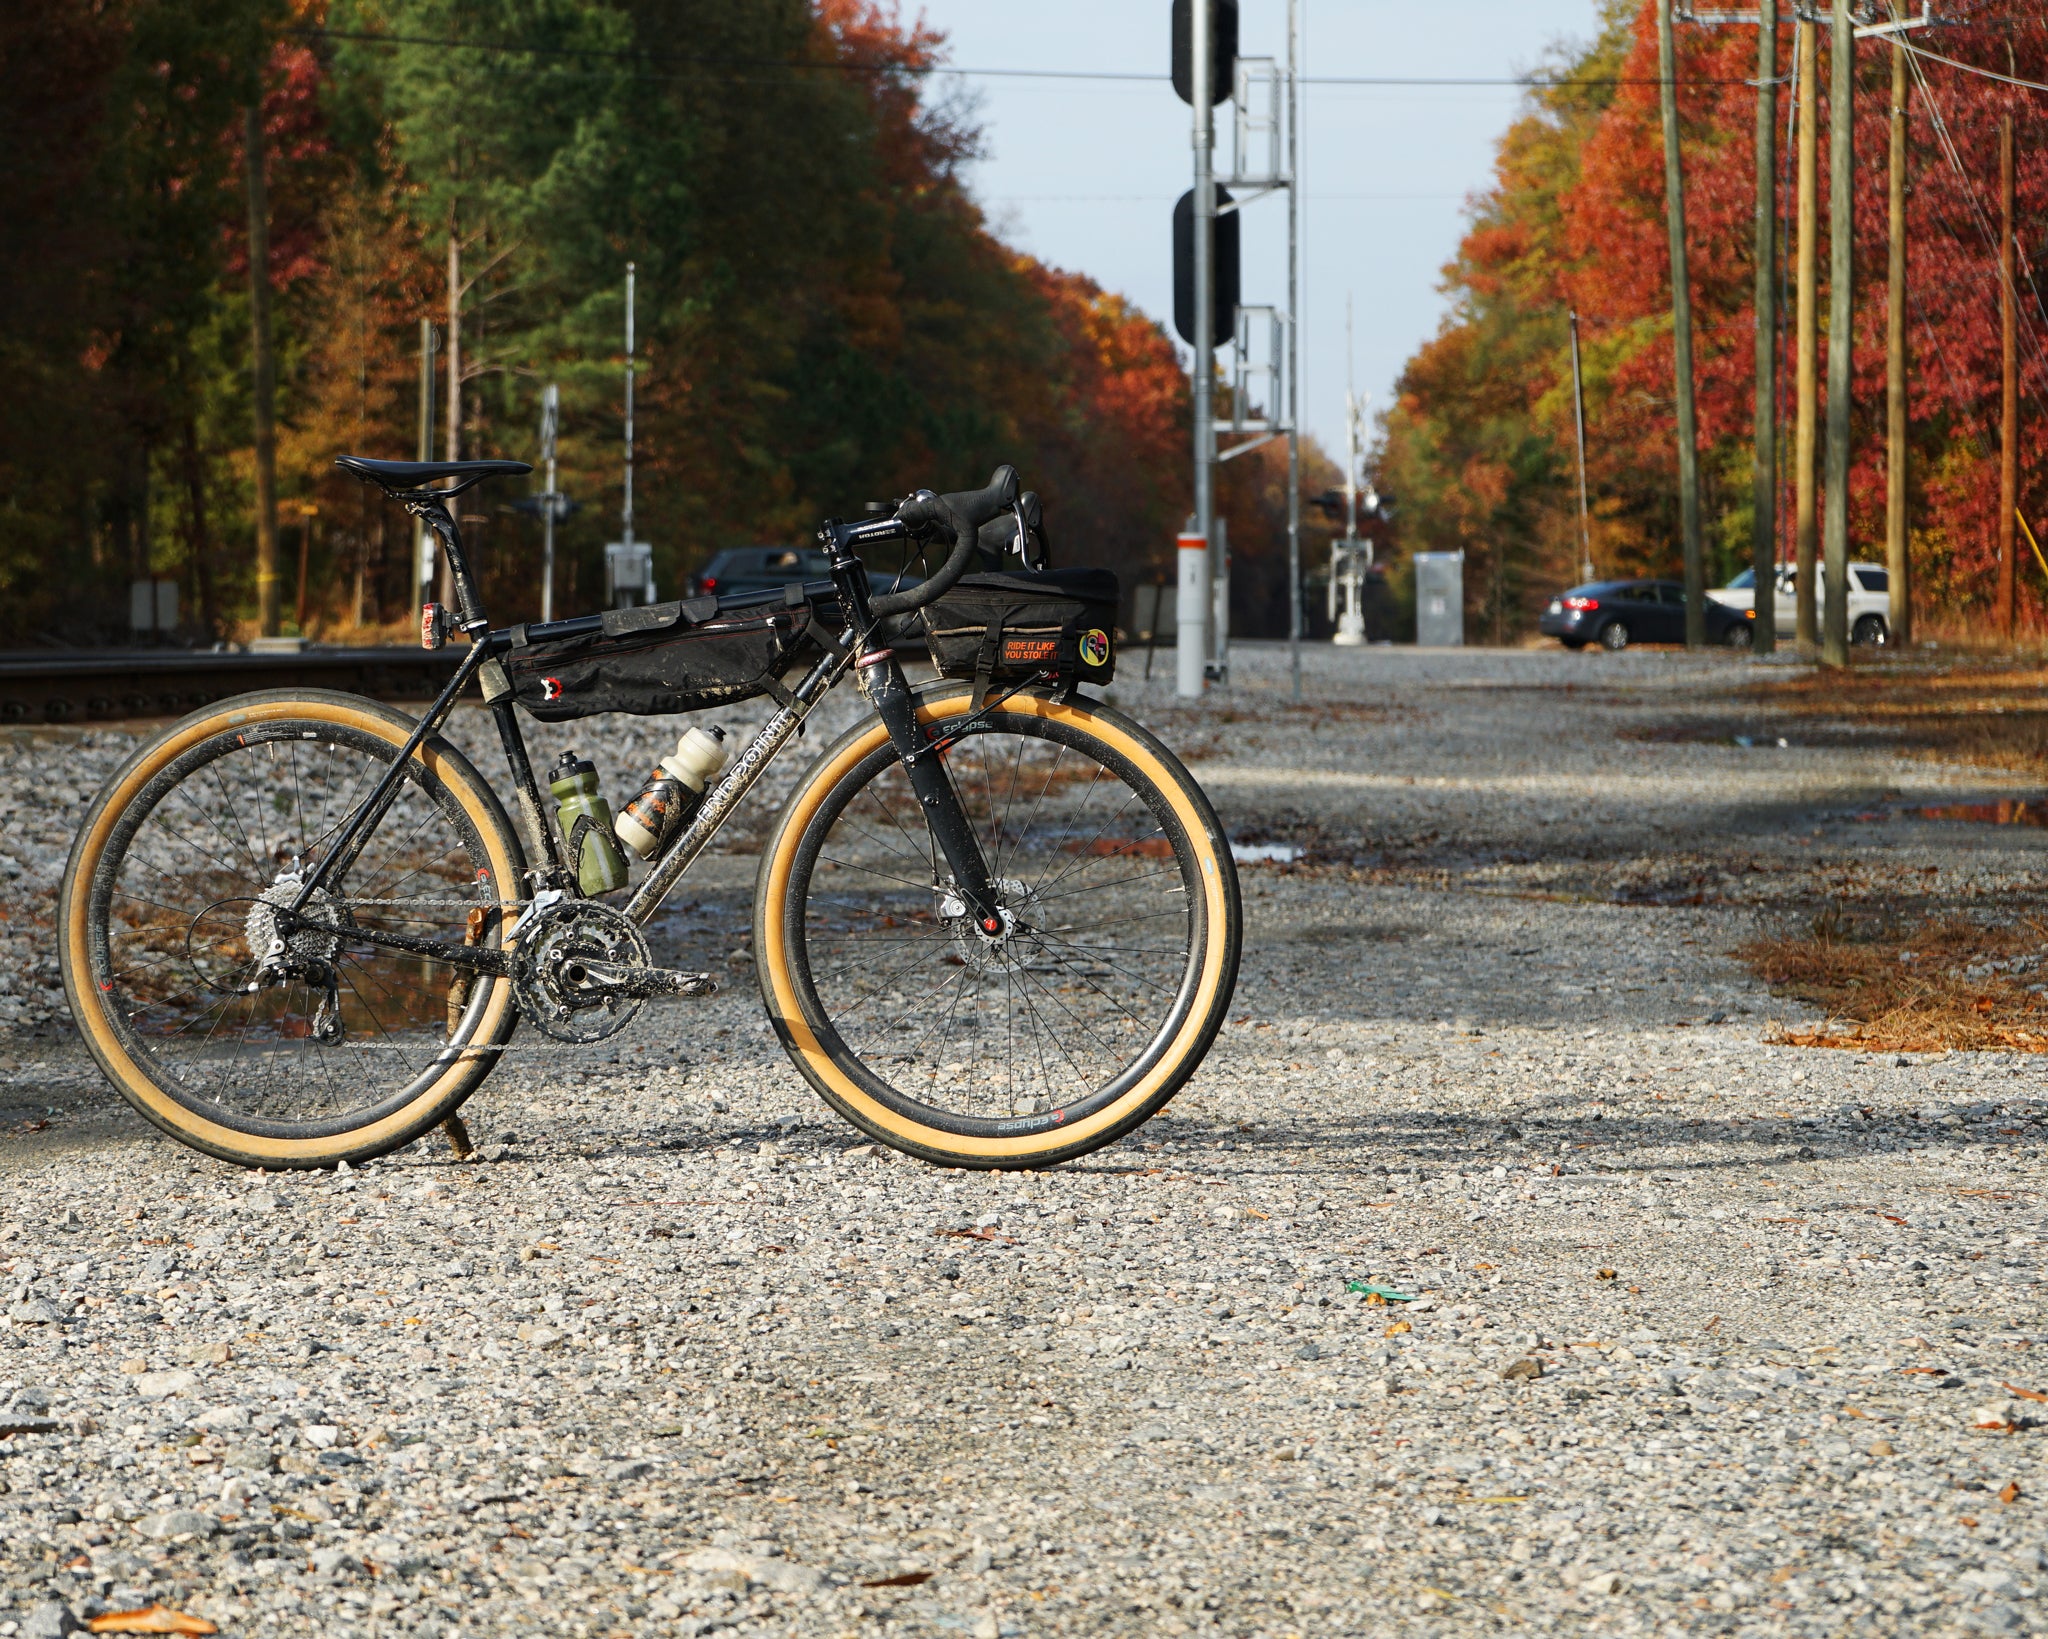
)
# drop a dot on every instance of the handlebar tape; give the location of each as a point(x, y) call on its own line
point(962, 515)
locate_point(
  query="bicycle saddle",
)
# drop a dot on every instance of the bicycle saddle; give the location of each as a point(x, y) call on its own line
point(413, 474)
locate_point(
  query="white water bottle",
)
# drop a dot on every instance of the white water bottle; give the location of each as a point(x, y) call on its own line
point(656, 817)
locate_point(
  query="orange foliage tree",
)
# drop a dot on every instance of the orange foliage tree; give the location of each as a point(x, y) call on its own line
point(1479, 444)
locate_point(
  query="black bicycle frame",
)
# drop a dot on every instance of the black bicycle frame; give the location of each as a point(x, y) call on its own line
point(864, 644)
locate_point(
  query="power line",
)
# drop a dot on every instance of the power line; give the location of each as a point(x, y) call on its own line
point(1972, 68)
point(928, 70)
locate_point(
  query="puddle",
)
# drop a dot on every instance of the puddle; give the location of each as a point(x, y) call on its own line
point(1266, 853)
point(2005, 811)
point(2028, 811)
point(1749, 742)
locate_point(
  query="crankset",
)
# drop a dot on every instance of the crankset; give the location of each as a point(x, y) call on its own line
point(583, 970)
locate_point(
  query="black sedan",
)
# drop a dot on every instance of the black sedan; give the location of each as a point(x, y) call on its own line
point(1616, 613)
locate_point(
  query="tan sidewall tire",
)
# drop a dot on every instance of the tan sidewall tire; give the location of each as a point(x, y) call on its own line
point(395, 1129)
point(1222, 939)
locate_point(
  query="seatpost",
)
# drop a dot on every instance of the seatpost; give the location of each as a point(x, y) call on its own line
point(431, 508)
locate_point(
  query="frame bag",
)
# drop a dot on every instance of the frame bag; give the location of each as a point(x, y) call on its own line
point(661, 659)
point(1016, 626)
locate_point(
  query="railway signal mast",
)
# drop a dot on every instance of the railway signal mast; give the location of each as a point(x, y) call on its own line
point(1263, 372)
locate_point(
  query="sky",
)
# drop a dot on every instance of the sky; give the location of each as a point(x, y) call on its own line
point(1084, 174)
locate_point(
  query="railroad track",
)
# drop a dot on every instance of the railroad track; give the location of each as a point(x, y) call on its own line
point(108, 685)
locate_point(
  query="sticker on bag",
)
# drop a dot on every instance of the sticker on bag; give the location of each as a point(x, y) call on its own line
point(550, 689)
point(1095, 647)
point(1030, 651)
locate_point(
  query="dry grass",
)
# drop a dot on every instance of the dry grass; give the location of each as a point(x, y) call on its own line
point(1991, 712)
point(1922, 988)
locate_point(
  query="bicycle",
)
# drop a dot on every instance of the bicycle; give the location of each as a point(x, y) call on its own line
point(996, 922)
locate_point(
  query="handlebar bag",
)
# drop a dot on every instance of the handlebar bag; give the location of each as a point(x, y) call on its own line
point(1015, 627)
point(659, 660)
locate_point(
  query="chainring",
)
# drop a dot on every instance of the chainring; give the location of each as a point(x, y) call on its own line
point(554, 994)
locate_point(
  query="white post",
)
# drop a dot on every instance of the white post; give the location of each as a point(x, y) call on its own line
point(1190, 605)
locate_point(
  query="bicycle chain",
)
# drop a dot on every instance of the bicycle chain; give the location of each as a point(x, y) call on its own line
point(538, 1043)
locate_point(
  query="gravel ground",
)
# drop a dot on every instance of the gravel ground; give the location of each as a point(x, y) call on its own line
point(1709, 1336)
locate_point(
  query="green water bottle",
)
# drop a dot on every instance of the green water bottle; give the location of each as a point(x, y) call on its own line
point(587, 825)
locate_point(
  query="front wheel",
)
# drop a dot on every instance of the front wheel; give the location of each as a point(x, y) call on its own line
point(1081, 1019)
point(270, 1046)
point(1614, 637)
point(1871, 632)
point(1739, 637)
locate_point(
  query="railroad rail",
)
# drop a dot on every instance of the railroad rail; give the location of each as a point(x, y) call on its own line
point(108, 685)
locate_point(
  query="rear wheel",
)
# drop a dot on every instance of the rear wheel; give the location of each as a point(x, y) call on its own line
point(1086, 1015)
point(1739, 636)
point(1871, 632)
point(319, 1046)
point(1614, 637)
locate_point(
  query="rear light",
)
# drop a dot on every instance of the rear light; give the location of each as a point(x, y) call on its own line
point(707, 583)
point(1582, 603)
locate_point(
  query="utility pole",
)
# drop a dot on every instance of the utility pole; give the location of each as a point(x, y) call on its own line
point(453, 449)
point(423, 537)
point(1834, 646)
point(1579, 423)
point(550, 428)
point(263, 373)
point(1681, 336)
point(2009, 421)
point(1192, 642)
point(1763, 557)
point(629, 564)
point(1806, 344)
point(632, 309)
point(1294, 344)
point(1897, 556)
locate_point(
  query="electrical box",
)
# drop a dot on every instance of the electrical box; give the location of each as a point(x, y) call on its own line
point(1439, 600)
point(152, 606)
point(628, 573)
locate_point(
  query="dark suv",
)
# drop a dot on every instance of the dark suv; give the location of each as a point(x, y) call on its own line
point(759, 569)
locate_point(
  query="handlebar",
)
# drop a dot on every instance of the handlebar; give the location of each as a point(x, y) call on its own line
point(962, 516)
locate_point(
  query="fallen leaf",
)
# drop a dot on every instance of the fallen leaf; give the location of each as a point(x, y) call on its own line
point(1603, 1274)
point(2011, 1492)
point(909, 1579)
point(1398, 1328)
point(1254, 1212)
point(156, 1619)
point(2024, 1394)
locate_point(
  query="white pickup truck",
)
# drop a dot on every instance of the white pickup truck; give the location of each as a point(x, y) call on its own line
point(1870, 600)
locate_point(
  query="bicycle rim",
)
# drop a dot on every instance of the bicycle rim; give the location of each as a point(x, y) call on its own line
point(1087, 1013)
point(182, 873)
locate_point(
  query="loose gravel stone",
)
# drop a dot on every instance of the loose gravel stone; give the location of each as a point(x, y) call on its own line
point(1705, 1339)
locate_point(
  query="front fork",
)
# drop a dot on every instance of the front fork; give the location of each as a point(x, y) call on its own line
point(888, 691)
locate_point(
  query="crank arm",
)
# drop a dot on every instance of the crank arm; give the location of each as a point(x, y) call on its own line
point(603, 979)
